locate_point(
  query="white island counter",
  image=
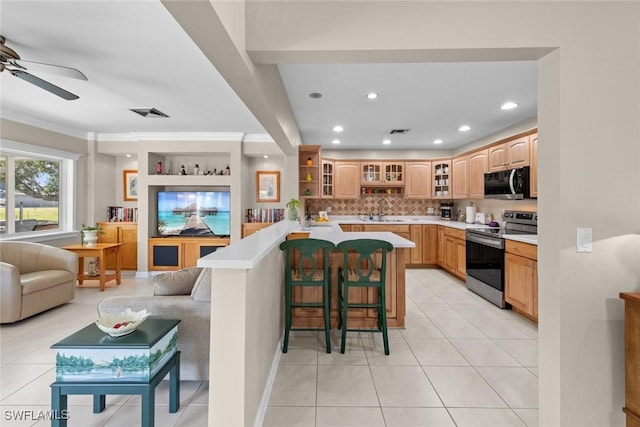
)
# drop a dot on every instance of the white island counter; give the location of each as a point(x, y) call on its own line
point(247, 314)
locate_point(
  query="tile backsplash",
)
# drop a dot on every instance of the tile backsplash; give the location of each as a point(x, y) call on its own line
point(369, 204)
point(399, 206)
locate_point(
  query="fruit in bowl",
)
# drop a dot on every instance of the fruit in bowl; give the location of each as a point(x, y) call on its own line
point(322, 219)
point(123, 323)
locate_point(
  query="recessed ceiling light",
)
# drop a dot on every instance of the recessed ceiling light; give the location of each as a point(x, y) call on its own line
point(372, 95)
point(128, 155)
point(335, 141)
point(338, 128)
point(315, 95)
point(464, 128)
point(509, 105)
point(266, 157)
point(386, 142)
point(437, 141)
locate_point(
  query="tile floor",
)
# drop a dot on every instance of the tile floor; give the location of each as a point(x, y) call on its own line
point(27, 368)
point(459, 362)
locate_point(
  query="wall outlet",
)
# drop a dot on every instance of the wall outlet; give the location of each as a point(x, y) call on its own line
point(328, 209)
point(429, 211)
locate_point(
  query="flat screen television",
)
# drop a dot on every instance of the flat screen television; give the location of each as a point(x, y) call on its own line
point(194, 213)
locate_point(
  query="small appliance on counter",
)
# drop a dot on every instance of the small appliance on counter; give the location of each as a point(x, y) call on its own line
point(481, 218)
point(446, 210)
point(471, 214)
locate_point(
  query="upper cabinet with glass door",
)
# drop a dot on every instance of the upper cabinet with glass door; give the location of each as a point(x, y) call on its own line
point(328, 179)
point(382, 173)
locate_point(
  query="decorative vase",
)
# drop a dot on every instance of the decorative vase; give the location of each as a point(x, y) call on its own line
point(90, 237)
point(309, 177)
point(309, 162)
point(292, 213)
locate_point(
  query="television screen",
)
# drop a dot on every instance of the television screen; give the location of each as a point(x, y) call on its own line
point(194, 213)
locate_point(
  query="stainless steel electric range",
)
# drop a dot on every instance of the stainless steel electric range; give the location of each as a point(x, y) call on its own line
point(485, 254)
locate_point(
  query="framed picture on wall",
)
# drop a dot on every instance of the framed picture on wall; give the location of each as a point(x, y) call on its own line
point(130, 180)
point(268, 186)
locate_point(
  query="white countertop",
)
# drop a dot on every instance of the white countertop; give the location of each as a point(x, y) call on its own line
point(524, 238)
point(247, 252)
point(406, 220)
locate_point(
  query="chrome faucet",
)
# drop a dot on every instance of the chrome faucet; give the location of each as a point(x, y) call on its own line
point(381, 208)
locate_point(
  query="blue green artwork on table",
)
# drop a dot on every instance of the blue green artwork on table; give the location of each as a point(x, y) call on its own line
point(115, 363)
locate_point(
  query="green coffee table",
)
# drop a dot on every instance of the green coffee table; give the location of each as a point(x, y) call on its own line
point(91, 362)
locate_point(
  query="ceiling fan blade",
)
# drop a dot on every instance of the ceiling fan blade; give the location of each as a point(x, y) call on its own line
point(52, 69)
point(44, 85)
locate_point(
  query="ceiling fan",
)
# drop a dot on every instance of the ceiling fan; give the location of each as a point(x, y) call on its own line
point(9, 61)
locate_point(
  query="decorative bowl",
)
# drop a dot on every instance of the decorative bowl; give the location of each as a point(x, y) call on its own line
point(123, 323)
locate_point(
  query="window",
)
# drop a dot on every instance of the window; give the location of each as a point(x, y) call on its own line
point(33, 194)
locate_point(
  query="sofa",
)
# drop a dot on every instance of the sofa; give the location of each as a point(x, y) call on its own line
point(34, 278)
point(185, 295)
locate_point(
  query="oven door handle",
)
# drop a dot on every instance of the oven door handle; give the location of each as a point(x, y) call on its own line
point(493, 243)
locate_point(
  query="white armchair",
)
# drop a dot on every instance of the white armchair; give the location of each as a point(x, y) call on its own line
point(34, 278)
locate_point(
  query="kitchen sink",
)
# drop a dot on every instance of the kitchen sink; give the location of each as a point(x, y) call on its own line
point(393, 220)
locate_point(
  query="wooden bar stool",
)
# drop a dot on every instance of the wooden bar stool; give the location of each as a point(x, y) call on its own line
point(307, 264)
point(369, 270)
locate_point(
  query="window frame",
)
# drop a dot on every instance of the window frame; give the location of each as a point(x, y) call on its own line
point(67, 196)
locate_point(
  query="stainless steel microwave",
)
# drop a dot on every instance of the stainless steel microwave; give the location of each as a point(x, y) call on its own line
point(512, 184)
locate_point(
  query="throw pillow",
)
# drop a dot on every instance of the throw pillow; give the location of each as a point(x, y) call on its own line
point(202, 289)
point(176, 282)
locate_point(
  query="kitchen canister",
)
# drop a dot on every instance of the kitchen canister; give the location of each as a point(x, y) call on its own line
point(471, 214)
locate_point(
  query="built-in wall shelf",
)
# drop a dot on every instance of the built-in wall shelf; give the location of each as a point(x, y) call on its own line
point(189, 180)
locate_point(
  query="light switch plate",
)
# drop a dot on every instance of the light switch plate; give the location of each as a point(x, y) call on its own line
point(584, 241)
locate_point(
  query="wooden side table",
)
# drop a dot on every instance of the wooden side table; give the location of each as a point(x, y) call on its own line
point(132, 364)
point(100, 251)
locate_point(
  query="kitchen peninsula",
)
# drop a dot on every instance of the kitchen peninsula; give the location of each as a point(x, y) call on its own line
point(247, 314)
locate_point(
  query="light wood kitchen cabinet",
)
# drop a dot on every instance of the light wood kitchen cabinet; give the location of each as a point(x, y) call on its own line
point(455, 252)
point(393, 173)
point(371, 173)
point(382, 173)
point(347, 179)
point(478, 166)
point(533, 162)
point(418, 180)
point(460, 177)
point(249, 228)
point(509, 155)
point(175, 253)
point(429, 244)
point(468, 175)
point(309, 162)
point(415, 254)
point(440, 251)
point(328, 179)
point(125, 233)
point(441, 179)
point(521, 278)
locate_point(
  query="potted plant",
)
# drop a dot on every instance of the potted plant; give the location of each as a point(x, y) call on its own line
point(293, 206)
point(90, 234)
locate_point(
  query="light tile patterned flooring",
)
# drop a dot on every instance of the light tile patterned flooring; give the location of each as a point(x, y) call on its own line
point(27, 368)
point(459, 362)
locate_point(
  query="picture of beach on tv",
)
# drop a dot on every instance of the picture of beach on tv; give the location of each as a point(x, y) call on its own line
point(194, 213)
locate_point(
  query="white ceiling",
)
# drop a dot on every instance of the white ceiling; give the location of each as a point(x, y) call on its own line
point(135, 55)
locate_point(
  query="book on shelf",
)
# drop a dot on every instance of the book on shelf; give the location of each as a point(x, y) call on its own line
point(265, 215)
point(120, 214)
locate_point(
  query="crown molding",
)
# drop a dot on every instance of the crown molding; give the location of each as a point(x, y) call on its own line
point(171, 136)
